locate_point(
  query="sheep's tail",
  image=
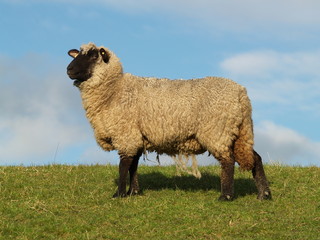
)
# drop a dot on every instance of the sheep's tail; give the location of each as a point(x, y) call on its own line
point(243, 146)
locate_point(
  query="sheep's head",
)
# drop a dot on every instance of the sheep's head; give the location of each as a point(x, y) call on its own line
point(84, 61)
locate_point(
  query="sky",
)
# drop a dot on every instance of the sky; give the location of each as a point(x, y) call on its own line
point(270, 47)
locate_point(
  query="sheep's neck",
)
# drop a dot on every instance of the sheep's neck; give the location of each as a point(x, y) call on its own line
point(99, 97)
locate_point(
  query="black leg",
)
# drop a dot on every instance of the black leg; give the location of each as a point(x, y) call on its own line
point(260, 178)
point(125, 164)
point(134, 184)
point(227, 181)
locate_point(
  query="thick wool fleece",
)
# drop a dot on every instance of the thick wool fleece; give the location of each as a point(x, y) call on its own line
point(131, 114)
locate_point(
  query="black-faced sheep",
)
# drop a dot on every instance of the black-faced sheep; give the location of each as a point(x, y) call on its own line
point(134, 114)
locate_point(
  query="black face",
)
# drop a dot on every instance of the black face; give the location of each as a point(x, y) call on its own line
point(81, 68)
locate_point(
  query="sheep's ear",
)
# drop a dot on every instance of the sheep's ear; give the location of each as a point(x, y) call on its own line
point(105, 55)
point(73, 53)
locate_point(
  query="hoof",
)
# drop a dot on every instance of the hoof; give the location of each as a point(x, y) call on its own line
point(133, 192)
point(265, 195)
point(225, 198)
point(119, 195)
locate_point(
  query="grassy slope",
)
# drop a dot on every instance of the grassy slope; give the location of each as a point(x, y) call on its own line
point(70, 202)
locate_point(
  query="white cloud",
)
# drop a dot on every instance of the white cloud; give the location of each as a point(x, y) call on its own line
point(262, 63)
point(278, 144)
point(274, 77)
point(286, 10)
point(233, 16)
point(39, 111)
point(251, 64)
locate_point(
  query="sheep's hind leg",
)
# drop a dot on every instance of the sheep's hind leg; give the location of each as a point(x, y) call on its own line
point(227, 181)
point(260, 178)
point(124, 166)
point(134, 184)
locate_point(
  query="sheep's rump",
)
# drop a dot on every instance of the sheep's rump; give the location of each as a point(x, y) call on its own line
point(189, 116)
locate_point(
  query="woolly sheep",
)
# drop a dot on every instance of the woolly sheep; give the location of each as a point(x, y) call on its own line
point(134, 114)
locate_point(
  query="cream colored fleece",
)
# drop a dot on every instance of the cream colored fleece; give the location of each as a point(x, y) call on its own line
point(130, 113)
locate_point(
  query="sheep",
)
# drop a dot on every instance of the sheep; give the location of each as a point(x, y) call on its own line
point(133, 114)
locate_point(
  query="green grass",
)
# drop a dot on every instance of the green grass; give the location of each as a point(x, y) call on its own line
point(74, 202)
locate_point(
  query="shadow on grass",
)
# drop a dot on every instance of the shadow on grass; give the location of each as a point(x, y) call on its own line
point(158, 181)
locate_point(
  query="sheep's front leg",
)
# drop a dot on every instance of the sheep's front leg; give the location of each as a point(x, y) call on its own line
point(134, 184)
point(128, 164)
point(124, 166)
point(260, 178)
point(227, 181)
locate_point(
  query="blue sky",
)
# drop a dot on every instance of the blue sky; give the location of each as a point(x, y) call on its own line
point(270, 47)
